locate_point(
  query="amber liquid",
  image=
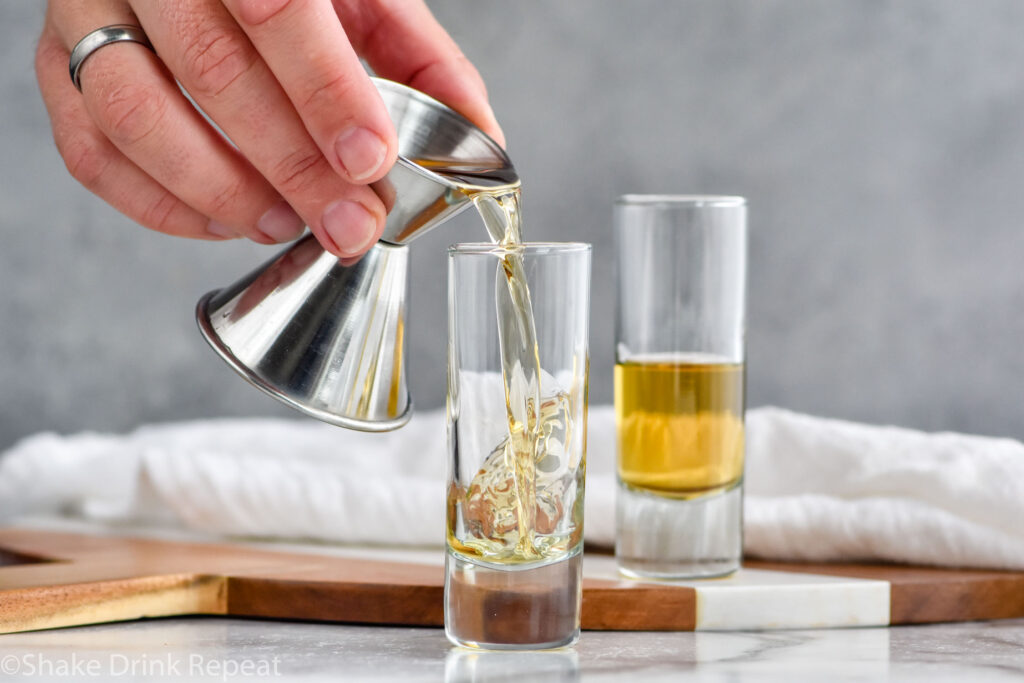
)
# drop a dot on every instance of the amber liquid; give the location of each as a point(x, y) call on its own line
point(513, 510)
point(680, 425)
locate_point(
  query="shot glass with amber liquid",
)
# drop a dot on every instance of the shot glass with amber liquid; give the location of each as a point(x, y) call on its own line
point(679, 384)
point(518, 360)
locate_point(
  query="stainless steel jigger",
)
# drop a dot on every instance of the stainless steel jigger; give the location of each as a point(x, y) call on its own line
point(329, 339)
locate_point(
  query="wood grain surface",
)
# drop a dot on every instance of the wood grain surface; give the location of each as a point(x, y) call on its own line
point(51, 579)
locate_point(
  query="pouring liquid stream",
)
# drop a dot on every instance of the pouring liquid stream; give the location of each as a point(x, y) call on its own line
point(514, 516)
point(520, 361)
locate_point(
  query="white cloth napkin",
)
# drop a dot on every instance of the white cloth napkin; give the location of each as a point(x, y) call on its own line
point(816, 489)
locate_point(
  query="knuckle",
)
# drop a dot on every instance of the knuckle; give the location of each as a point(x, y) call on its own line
point(131, 111)
point(327, 95)
point(215, 58)
point(298, 171)
point(375, 27)
point(85, 159)
point(257, 13)
point(231, 197)
point(47, 52)
point(41, 56)
point(159, 214)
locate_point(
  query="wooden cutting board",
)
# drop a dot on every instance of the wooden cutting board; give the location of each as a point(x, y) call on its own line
point(50, 579)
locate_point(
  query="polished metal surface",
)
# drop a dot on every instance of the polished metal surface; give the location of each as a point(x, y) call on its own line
point(94, 40)
point(324, 338)
point(328, 339)
point(442, 159)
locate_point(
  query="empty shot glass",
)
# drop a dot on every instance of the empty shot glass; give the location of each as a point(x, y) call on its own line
point(679, 384)
point(517, 408)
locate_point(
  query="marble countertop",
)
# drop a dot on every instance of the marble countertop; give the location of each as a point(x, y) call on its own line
point(216, 649)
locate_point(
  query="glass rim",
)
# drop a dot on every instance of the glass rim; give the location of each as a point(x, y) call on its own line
point(527, 247)
point(699, 200)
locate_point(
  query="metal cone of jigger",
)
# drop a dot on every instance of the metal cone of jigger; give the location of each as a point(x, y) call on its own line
point(329, 339)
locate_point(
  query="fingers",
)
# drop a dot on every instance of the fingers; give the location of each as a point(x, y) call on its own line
point(209, 54)
point(282, 82)
point(96, 163)
point(403, 42)
point(132, 100)
point(304, 45)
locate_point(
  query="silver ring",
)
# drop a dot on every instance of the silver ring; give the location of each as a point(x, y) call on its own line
point(97, 39)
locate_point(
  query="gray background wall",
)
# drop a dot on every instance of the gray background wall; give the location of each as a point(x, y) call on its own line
point(881, 146)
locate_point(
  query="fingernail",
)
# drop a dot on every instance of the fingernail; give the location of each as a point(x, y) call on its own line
point(350, 225)
point(361, 152)
point(496, 132)
point(220, 230)
point(499, 136)
point(489, 111)
point(281, 223)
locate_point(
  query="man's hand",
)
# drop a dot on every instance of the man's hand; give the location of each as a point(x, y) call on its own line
point(281, 79)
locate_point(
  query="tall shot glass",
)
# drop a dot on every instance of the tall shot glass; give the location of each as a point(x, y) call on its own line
point(517, 443)
point(679, 384)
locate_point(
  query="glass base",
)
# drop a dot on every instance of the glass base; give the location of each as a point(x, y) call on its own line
point(523, 666)
point(667, 538)
point(533, 608)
